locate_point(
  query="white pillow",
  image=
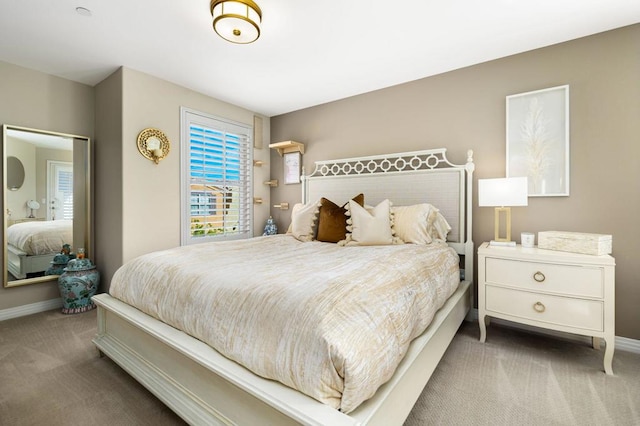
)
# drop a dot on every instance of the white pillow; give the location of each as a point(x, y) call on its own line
point(420, 224)
point(368, 227)
point(440, 227)
point(410, 223)
point(303, 220)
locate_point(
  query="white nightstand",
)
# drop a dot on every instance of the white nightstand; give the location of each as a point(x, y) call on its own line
point(24, 219)
point(569, 292)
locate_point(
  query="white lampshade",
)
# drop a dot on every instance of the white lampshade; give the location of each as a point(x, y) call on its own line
point(502, 192)
point(33, 205)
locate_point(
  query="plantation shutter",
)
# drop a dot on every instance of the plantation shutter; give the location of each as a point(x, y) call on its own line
point(60, 190)
point(218, 180)
point(65, 189)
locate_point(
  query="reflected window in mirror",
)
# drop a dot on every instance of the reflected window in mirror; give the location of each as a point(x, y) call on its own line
point(50, 209)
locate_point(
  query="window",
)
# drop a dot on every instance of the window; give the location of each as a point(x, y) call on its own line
point(216, 180)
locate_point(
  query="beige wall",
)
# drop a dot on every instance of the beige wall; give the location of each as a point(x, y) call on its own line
point(465, 109)
point(142, 203)
point(34, 187)
point(108, 176)
point(41, 101)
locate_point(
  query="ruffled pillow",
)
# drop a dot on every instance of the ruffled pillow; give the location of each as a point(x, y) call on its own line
point(410, 223)
point(303, 220)
point(439, 228)
point(420, 224)
point(370, 226)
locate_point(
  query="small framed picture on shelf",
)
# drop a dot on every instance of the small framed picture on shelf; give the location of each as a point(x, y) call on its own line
point(292, 167)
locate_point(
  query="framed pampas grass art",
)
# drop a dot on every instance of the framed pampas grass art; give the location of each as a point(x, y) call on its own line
point(538, 140)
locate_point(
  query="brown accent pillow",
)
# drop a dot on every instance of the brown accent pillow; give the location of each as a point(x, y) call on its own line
point(332, 222)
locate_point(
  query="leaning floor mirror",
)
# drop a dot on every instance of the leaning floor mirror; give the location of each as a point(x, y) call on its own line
point(46, 201)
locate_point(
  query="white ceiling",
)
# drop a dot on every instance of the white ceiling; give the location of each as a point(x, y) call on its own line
point(310, 52)
point(42, 140)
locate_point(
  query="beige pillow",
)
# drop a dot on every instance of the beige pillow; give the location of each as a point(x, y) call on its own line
point(410, 223)
point(439, 228)
point(369, 227)
point(420, 223)
point(303, 220)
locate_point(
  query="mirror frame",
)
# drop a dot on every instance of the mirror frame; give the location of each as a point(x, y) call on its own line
point(87, 200)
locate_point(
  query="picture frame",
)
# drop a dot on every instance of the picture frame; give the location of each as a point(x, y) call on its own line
point(292, 167)
point(537, 137)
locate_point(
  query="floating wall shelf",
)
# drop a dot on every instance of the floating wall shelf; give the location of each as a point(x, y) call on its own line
point(282, 206)
point(287, 146)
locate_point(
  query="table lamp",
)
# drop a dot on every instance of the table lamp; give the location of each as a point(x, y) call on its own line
point(33, 205)
point(502, 193)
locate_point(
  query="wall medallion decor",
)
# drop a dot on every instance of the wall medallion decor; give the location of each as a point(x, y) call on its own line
point(153, 144)
point(538, 140)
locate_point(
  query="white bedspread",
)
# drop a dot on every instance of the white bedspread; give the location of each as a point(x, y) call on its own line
point(40, 237)
point(332, 322)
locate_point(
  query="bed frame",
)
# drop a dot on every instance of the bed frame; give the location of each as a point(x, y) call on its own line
point(205, 388)
point(19, 263)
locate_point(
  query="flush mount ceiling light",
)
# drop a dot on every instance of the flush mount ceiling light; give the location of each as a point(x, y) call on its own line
point(237, 21)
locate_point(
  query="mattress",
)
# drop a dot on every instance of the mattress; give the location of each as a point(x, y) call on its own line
point(332, 322)
point(40, 237)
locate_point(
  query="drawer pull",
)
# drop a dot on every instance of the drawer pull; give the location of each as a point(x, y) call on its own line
point(539, 276)
point(538, 307)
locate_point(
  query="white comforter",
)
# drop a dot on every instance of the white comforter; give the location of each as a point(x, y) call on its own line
point(332, 322)
point(40, 237)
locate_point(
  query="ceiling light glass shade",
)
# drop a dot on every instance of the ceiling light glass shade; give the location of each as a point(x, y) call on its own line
point(237, 21)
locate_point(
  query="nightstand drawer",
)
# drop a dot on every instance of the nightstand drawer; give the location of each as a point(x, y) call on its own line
point(564, 311)
point(547, 277)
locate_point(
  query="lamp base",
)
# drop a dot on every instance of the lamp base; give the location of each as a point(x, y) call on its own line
point(502, 243)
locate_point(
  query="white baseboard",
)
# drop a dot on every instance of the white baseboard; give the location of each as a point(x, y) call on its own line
point(629, 345)
point(622, 343)
point(32, 308)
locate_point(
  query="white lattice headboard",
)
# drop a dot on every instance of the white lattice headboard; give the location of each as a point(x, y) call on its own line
point(404, 178)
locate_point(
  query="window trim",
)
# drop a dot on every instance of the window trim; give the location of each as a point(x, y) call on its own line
point(186, 117)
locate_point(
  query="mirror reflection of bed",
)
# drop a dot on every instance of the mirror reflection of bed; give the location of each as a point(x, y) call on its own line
point(45, 200)
point(33, 242)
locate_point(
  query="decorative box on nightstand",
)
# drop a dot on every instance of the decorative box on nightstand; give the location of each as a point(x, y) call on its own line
point(569, 292)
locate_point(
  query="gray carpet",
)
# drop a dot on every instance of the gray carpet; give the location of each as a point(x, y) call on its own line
point(50, 374)
point(520, 378)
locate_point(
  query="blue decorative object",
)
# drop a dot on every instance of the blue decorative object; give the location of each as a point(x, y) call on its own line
point(58, 264)
point(270, 228)
point(77, 284)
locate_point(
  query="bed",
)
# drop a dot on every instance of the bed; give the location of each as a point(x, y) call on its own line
point(204, 387)
point(31, 245)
